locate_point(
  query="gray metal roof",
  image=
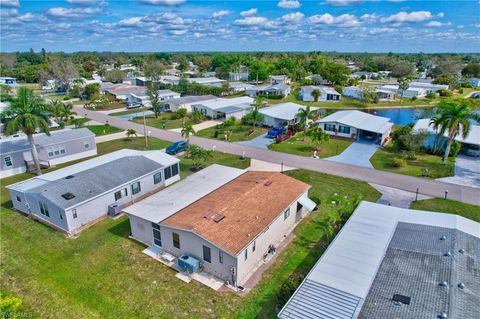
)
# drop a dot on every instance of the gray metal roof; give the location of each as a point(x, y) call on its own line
point(42, 140)
point(192, 99)
point(229, 109)
point(97, 180)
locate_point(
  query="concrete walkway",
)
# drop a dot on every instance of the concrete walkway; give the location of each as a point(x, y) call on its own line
point(358, 154)
point(396, 197)
point(259, 142)
point(200, 126)
point(257, 165)
point(404, 182)
point(467, 172)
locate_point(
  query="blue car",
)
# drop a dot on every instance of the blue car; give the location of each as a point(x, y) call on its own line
point(177, 147)
point(274, 132)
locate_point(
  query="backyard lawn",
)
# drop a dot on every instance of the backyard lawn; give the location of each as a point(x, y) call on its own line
point(237, 132)
point(425, 165)
point(448, 206)
point(103, 274)
point(296, 145)
point(100, 130)
point(163, 121)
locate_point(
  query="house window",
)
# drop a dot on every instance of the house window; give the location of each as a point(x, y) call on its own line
point(207, 254)
point(118, 195)
point(286, 213)
point(56, 150)
point(157, 237)
point(44, 209)
point(60, 214)
point(86, 143)
point(157, 178)
point(220, 256)
point(254, 246)
point(246, 254)
point(8, 161)
point(62, 149)
point(174, 169)
point(330, 127)
point(19, 199)
point(74, 213)
point(168, 172)
point(176, 240)
point(344, 129)
point(136, 188)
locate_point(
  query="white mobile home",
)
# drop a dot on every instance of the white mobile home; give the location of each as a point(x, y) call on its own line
point(325, 93)
point(142, 98)
point(266, 90)
point(186, 102)
point(355, 92)
point(222, 108)
point(282, 114)
point(227, 218)
point(207, 81)
point(72, 198)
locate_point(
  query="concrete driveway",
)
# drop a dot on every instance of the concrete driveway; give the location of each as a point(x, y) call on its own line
point(258, 142)
point(467, 172)
point(358, 154)
point(200, 126)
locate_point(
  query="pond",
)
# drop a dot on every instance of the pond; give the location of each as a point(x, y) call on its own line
point(403, 116)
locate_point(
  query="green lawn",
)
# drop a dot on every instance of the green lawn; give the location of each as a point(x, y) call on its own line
point(135, 143)
point(109, 106)
point(296, 145)
point(448, 206)
point(163, 121)
point(100, 130)
point(103, 273)
point(235, 133)
point(383, 158)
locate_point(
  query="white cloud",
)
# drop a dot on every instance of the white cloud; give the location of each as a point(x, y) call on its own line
point(341, 3)
point(169, 3)
point(344, 20)
point(27, 17)
point(178, 32)
point(293, 17)
point(9, 12)
point(72, 13)
point(436, 24)
point(10, 3)
point(289, 4)
point(221, 13)
point(369, 17)
point(248, 13)
point(130, 22)
point(414, 16)
point(441, 15)
point(82, 2)
point(375, 31)
point(251, 21)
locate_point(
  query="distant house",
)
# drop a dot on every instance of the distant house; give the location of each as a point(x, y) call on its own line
point(475, 82)
point(142, 98)
point(186, 102)
point(357, 125)
point(8, 81)
point(165, 79)
point(207, 81)
point(72, 198)
point(222, 108)
point(239, 86)
point(279, 79)
point(265, 90)
point(282, 114)
point(317, 79)
point(238, 76)
point(122, 92)
point(325, 93)
point(390, 262)
point(60, 147)
point(355, 92)
point(411, 92)
point(227, 220)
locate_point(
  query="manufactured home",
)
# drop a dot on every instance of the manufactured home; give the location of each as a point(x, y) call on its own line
point(326, 94)
point(282, 114)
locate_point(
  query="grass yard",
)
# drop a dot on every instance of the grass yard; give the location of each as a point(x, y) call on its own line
point(163, 121)
point(296, 145)
point(237, 132)
point(100, 130)
point(217, 158)
point(109, 106)
point(448, 206)
point(103, 273)
point(383, 158)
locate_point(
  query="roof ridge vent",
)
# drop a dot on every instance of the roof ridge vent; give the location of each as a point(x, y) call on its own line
point(444, 284)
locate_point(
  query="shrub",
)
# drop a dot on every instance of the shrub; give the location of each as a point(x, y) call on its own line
point(288, 288)
point(414, 98)
point(398, 163)
point(338, 88)
point(431, 95)
point(445, 93)
point(411, 156)
point(229, 122)
point(454, 149)
point(460, 91)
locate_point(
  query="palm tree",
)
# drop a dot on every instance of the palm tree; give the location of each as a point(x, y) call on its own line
point(454, 118)
point(435, 123)
point(305, 114)
point(26, 113)
point(130, 133)
point(62, 112)
point(187, 130)
point(316, 95)
point(254, 117)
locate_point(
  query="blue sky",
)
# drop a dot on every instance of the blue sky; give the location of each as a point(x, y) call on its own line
point(282, 25)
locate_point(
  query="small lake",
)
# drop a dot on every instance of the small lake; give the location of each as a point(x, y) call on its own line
point(403, 116)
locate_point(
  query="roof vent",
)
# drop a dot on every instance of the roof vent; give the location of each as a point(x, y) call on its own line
point(68, 196)
point(443, 237)
point(461, 251)
point(443, 315)
point(219, 218)
point(267, 182)
point(401, 299)
point(209, 215)
point(69, 177)
point(443, 284)
point(461, 285)
point(447, 254)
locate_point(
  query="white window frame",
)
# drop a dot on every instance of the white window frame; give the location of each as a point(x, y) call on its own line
point(8, 159)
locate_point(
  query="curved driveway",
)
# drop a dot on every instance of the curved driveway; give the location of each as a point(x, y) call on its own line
point(408, 183)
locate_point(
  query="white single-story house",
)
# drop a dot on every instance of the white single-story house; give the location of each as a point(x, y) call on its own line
point(222, 108)
point(228, 219)
point(239, 86)
point(429, 87)
point(59, 147)
point(411, 92)
point(470, 144)
point(275, 89)
point(142, 98)
point(279, 79)
point(357, 125)
point(325, 93)
point(390, 262)
point(72, 198)
point(122, 92)
point(8, 81)
point(207, 81)
point(318, 80)
point(355, 92)
point(238, 76)
point(186, 102)
point(282, 114)
point(165, 79)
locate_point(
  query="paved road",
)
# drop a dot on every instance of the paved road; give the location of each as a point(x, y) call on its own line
point(408, 183)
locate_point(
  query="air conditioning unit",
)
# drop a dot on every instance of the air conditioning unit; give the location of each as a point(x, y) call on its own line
point(114, 210)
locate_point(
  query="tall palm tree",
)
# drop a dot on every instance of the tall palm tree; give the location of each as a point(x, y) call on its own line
point(254, 117)
point(453, 119)
point(305, 114)
point(61, 111)
point(187, 130)
point(435, 123)
point(26, 113)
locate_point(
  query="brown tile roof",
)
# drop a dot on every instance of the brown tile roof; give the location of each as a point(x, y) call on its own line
point(247, 203)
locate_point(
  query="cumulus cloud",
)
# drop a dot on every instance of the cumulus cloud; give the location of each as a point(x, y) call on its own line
point(414, 16)
point(342, 3)
point(293, 17)
point(289, 4)
point(344, 20)
point(437, 24)
point(249, 13)
point(221, 13)
point(256, 22)
point(82, 2)
point(130, 22)
point(10, 3)
point(441, 15)
point(72, 13)
point(169, 3)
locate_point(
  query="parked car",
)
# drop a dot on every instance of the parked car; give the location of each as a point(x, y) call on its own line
point(177, 147)
point(133, 105)
point(281, 137)
point(275, 131)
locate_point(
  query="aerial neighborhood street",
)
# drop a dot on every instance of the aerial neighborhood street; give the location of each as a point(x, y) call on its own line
point(285, 159)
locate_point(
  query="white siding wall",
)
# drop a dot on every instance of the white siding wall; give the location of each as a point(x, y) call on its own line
point(353, 130)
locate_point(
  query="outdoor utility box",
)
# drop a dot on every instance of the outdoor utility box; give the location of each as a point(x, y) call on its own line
point(114, 210)
point(188, 263)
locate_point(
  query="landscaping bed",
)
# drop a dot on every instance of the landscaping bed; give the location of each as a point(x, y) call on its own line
point(296, 145)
